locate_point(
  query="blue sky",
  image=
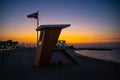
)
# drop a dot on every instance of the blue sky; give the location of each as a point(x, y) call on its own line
point(95, 16)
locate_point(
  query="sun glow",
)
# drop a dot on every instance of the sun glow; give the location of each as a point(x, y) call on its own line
point(68, 34)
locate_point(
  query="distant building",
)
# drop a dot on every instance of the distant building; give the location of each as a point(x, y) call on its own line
point(8, 44)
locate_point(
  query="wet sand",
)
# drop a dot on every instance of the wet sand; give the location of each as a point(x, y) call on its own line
point(19, 65)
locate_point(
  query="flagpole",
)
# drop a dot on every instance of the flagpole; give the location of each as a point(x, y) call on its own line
point(37, 26)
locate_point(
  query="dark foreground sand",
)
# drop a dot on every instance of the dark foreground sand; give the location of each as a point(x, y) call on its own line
point(19, 65)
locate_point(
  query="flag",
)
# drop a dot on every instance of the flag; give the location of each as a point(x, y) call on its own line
point(33, 15)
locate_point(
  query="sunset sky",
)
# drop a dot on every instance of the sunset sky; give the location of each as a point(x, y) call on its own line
point(92, 21)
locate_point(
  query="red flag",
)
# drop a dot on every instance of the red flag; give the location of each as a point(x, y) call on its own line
point(33, 15)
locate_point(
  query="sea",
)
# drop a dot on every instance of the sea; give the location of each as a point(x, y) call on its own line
point(108, 55)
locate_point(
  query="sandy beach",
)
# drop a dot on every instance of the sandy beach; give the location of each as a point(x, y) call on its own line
point(19, 65)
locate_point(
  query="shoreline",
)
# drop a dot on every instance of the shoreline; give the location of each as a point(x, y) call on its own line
point(91, 48)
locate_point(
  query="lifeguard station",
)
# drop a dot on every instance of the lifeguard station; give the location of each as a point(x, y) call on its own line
point(48, 38)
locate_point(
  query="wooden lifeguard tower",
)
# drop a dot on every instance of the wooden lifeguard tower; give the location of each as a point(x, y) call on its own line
point(48, 38)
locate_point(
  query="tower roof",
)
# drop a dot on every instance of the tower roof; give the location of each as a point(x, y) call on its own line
point(41, 27)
